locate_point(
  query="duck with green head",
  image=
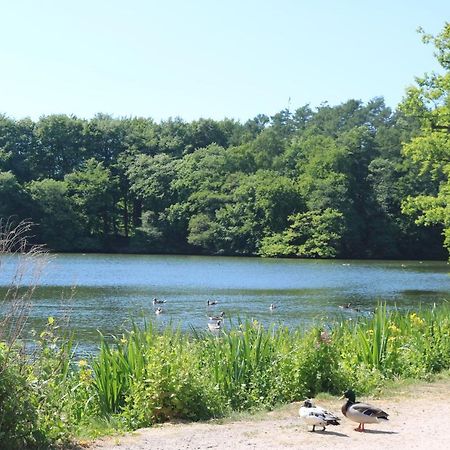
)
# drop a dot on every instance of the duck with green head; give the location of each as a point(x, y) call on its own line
point(361, 413)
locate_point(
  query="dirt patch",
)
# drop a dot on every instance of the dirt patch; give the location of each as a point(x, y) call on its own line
point(419, 418)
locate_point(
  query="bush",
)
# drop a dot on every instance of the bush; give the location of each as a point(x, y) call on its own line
point(18, 414)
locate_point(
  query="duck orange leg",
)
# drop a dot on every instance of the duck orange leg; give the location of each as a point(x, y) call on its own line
point(359, 427)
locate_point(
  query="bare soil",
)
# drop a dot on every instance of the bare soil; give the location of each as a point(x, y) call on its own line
point(419, 418)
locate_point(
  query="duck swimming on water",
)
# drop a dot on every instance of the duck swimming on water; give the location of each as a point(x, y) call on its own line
point(345, 306)
point(158, 302)
point(215, 326)
point(219, 317)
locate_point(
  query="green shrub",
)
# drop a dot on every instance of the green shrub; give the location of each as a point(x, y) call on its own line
point(18, 414)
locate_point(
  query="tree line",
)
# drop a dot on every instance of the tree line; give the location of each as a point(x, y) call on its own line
point(309, 183)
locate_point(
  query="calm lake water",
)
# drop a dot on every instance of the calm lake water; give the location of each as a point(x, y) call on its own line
point(113, 290)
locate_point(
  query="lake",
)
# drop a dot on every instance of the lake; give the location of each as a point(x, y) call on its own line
point(106, 292)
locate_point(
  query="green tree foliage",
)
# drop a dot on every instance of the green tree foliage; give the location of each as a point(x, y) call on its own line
point(90, 189)
point(14, 200)
point(17, 145)
point(61, 146)
point(429, 101)
point(314, 234)
point(59, 224)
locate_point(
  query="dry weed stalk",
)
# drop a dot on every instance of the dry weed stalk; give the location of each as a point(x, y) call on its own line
point(21, 267)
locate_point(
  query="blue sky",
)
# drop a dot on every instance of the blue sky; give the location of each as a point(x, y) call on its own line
point(198, 58)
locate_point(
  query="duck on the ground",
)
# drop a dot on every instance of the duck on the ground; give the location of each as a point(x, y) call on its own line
point(218, 317)
point(317, 416)
point(272, 306)
point(156, 301)
point(211, 302)
point(361, 413)
point(158, 311)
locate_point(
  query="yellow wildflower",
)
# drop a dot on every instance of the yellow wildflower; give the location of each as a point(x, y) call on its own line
point(394, 328)
point(416, 320)
point(86, 375)
point(50, 320)
point(82, 363)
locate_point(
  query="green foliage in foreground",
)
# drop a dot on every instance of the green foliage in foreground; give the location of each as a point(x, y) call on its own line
point(148, 376)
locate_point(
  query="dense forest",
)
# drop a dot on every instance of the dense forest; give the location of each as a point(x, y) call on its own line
point(321, 183)
point(354, 180)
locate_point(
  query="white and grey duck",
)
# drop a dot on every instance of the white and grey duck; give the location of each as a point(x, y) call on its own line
point(218, 317)
point(215, 326)
point(317, 416)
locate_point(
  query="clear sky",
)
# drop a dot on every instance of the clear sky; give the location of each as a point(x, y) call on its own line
point(208, 58)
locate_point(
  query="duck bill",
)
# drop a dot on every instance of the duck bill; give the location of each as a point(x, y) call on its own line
point(342, 398)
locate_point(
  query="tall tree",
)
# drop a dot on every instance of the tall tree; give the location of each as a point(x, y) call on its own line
point(91, 190)
point(429, 100)
point(59, 226)
point(61, 146)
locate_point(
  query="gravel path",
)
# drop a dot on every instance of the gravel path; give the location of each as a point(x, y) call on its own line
point(419, 419)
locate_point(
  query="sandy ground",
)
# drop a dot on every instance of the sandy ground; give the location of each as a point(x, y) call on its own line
point(419, 419)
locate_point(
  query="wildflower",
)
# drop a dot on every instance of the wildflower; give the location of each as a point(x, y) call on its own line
point(86, 375)
point(394, 328)
point(416, 320)
point(82, 363)
point(51, 320)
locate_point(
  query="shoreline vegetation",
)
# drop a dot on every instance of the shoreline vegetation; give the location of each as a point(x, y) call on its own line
point(148, 376)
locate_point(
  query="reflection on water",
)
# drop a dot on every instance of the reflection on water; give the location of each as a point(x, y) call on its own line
point(114, 290)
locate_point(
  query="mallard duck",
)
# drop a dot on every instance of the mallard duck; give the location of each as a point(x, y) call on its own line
point(361, 412)
point(158, 311)
point(158, 302)
point(211, 302)
point(219, 317)
point(272, 306)
point(317, 416)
